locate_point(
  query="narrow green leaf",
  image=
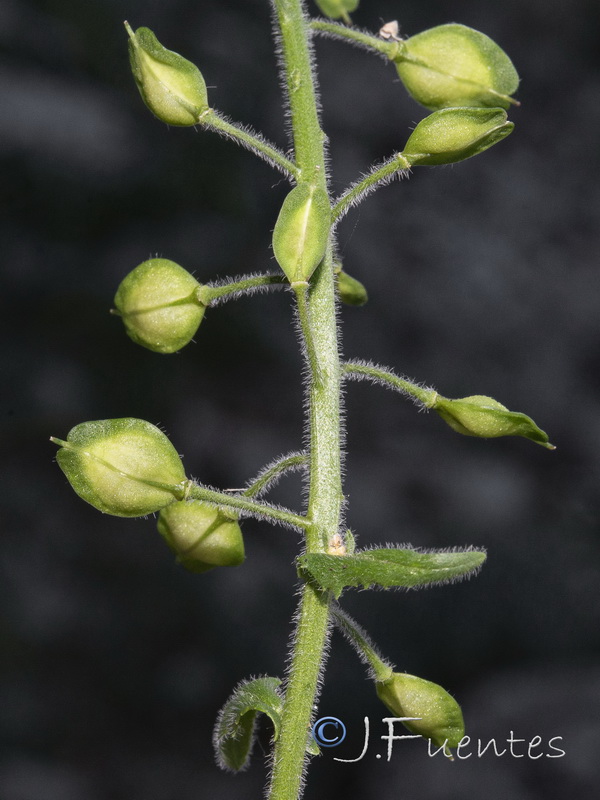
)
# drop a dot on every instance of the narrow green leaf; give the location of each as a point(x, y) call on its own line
point(235, 728)
point(389, 568)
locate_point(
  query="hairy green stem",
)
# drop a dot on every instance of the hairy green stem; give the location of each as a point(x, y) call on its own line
point(320, 337)
point(333, 30)
point(273, 472)
point(362, 643)
point(208, 294)
point(251, 140)
point(360, 370)
point(379, 175)
point(242, 503)
point(300, 82)
point(304, 316)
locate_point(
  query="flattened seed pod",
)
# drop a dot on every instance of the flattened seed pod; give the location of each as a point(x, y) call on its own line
point(453, 65)
point(454, 134)
point(171, 86)
point(125, 467)
point(301, 231)
point(159, 304)
point(485, 417)
point(201, 536)
point(439, 716)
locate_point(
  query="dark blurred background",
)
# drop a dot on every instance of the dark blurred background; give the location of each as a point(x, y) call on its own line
point(483, 279)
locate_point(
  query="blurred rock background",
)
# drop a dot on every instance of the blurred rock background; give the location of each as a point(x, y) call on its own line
point(483, 278)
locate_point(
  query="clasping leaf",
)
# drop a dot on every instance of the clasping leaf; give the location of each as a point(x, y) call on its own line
point(389, 568)
point(235, 728)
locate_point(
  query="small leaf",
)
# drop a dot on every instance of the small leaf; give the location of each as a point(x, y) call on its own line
point(389, 568)
point(301, 231)
point(486, 418)
point(235, 728)
point(454, 134)
point(453, 65)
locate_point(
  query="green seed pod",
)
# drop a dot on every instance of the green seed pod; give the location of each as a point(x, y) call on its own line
point(171, 86)
point(453, 65)
point(159, 304)
point(439, 716)
point(485, 417)
point(125, 467)
point(454, 134)
point(301, 231)
point(201, 536)
point(337, 8)
point(351, 291)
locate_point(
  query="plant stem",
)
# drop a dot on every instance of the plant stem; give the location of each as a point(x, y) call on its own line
point(360, 370)
point(300, 82)
point(252, 507)
point(250, 140)
point(271, 474)
point(333, 30)
point(304, 316)
point(325, 490)
point(231, 290)
point(362, 643)
point(379, 175)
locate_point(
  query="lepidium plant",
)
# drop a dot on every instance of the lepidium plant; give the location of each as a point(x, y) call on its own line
point(128, 467)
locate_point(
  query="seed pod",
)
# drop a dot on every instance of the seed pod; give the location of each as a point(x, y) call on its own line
point(454, 134)
point(171, 86)
point(201, 536)
point(351, 291)
point(439, 716)
point(159, 304)
point(301, 231)
point(485, 417)
point(125, 467)
point(337, 8)
point(453, 65)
